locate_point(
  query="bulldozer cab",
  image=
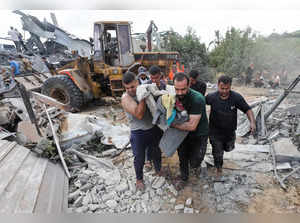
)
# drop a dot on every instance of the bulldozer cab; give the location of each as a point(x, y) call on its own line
point(113, 43)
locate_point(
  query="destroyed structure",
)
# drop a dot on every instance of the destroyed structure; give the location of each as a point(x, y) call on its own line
point(93, 148)
point(83, 161)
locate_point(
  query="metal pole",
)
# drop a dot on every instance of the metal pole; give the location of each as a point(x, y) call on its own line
point(282, 97)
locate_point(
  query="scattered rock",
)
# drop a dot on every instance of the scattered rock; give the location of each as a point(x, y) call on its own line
point(111, 204)
point(188, 210)
point(158, 182)
point(179, 207)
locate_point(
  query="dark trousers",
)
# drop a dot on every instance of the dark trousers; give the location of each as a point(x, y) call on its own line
point(140, 140)
point(18, 46)
point(219, 145)
point(191, 152)
point(148, 151)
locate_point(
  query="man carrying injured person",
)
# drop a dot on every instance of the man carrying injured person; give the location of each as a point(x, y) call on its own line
point(223, 119)
point(143, 133)
point(192, 150)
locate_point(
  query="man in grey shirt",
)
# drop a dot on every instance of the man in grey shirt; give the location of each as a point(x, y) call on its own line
point(143, 133)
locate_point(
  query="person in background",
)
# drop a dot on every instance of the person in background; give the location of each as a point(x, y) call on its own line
point(142, 75)
point(15, 67)
point(197, 85)
point(15, 38)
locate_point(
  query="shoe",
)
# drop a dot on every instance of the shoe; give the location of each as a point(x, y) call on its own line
point(179, 183)
point(162, 173)
point(219, 172)
point(196, 172)
point(140, 185)
point(148, 166)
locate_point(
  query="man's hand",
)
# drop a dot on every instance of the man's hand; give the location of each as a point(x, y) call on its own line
point(251, 118)
point(252, 127)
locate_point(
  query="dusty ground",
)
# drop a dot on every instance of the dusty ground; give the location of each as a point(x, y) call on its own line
point(270, 199)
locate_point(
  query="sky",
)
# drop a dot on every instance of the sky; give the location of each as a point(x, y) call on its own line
point(205, 17)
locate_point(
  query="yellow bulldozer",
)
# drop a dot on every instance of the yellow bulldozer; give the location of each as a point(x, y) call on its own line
point(113, 54)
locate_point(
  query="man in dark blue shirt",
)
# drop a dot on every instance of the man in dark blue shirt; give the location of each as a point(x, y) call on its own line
point(223, 119)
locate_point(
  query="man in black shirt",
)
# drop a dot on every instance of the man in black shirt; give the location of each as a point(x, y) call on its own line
point(223, 119)
point(197, 85)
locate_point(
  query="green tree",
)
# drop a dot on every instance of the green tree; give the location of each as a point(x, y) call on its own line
point(231, 54)
point(193, 53)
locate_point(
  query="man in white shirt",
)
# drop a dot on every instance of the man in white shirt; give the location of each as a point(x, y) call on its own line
point(15, 38)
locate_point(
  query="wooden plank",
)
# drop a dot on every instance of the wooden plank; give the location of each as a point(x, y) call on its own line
point(65, 203)
point(50, 197)
point(10, 166)
point(6, 148)
point(58, 192)
point(14, 190)
point(31, 190)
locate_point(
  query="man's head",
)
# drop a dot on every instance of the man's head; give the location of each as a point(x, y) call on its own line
point(130, 83)
point(155, 74)
point(10, 58)
point(11, 28)
point(224, 86)
point(194, 74)
point(142, 72)
point(181, 85)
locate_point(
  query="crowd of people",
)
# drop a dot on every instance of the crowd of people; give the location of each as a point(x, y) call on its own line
point(191, 96)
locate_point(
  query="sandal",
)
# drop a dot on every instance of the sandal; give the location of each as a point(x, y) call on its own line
point(140, 185)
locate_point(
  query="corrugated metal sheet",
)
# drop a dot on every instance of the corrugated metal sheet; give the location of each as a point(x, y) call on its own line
point(30, 184)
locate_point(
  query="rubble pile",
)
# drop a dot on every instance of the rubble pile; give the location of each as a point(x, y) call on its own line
point(98, 189)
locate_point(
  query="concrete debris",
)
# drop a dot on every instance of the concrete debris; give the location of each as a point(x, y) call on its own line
point(188, 202)
point(81, 128)
point(158, 182)
point(179, 207)
point(188, 210)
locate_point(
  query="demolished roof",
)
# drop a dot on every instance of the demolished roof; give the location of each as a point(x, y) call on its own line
point(58, 35)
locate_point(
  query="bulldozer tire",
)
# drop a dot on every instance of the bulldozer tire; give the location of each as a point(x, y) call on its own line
point(63, 89)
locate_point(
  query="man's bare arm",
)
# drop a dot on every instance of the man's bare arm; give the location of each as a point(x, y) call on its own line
point(130, 106)
point(251, 118)
point(191, 125)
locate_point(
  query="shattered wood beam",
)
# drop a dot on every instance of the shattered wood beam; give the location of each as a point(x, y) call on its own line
point(57, 144)
point(282, 97)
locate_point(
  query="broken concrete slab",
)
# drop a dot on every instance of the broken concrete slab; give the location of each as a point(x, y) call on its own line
point(79, 128)
point(285, 147)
